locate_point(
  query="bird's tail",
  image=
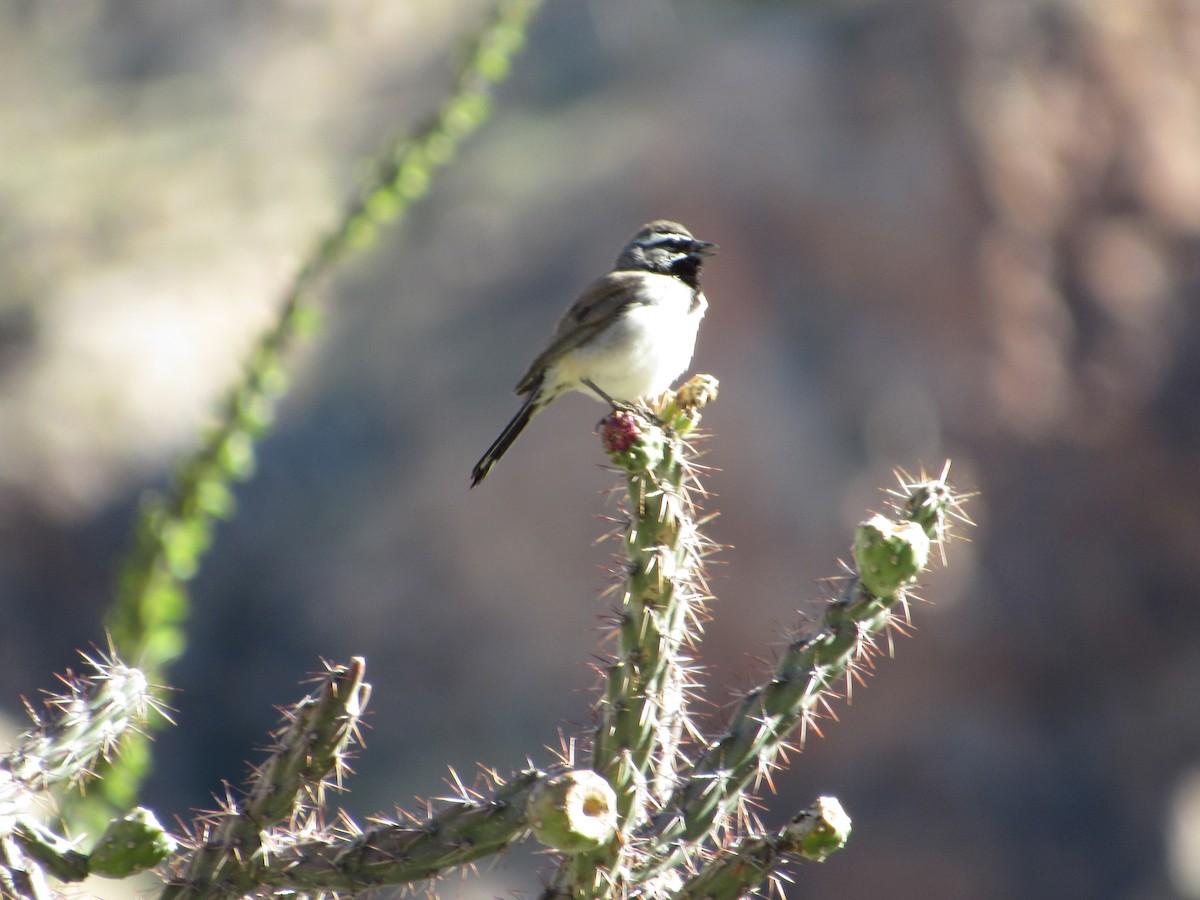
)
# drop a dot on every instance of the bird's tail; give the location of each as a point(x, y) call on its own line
point(531, 407)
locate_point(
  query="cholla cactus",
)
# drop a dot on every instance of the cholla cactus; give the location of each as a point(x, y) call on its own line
point(652, 806)
point(683, 827)
point(78, 728)
point(657, 808)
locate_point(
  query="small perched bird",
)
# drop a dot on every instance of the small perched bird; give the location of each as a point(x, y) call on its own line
point(627, 337)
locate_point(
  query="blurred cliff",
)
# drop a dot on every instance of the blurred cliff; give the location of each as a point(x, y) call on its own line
point(967, 230)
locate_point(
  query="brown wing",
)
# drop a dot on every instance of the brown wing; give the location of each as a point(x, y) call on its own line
point(594, 309)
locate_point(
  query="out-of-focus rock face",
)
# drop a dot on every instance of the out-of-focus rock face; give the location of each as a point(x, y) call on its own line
point(964, 229)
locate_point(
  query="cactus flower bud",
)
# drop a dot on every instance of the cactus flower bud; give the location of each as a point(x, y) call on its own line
point(620, 432)
point(130, 844)
point(889, 554)
point(818, 831)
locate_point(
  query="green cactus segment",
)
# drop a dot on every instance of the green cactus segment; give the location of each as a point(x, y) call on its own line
point(736, 872)
point(715, 785)
point(81, 727)
point(131, 844)
point(573, 812)
point(889, 555)
point(637, 738)
point(310, 746)
point(309, 749)
point(467, 829)
point(53, 853)
point(636, 743)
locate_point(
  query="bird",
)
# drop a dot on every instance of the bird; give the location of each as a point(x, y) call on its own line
point(630, 334)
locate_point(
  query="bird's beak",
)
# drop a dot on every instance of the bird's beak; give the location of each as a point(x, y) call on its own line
point(703, 248)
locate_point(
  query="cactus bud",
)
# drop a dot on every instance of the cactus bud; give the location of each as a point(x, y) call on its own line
point(130, 844)
point(818, 831)
point(620, 432)
point(889, 554)
point(629, 442)
point(681, 411)
point(697, 392)
point(573, 812)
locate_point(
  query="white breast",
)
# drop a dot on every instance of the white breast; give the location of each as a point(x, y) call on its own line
point(645, 349)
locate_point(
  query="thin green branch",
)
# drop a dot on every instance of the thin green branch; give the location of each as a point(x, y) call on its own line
point(174, 532)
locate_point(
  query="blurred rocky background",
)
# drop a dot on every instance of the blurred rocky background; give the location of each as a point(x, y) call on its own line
point(948, 229)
